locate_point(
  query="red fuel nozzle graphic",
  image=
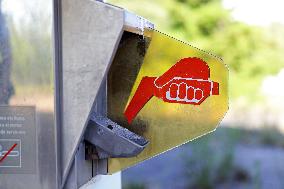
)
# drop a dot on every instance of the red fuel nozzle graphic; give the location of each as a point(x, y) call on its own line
point(187, 82)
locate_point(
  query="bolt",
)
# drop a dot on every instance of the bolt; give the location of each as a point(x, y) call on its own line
point(100, 132)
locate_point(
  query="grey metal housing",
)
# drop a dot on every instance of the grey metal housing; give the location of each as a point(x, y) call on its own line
point(86, 36)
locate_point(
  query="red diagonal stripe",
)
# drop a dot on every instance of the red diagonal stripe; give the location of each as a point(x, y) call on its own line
point(9, 151)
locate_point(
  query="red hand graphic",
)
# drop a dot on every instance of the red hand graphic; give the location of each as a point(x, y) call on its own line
point(187, 82)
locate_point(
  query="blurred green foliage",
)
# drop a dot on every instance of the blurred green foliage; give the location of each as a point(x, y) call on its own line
point(212, 159)
point(31, 51)
point(212, 162)
point(251, 52)
point(31, 46)
point(134, 186)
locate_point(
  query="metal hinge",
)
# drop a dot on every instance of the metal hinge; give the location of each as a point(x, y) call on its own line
point(111, 140)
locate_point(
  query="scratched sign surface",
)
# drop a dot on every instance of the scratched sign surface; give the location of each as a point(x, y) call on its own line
point(17, 140)
point(170, 94)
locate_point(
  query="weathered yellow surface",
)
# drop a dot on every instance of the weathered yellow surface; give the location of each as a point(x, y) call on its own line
point(168, 125)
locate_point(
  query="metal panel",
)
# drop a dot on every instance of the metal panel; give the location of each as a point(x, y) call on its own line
point(85, 40)
point(90, 33)
point(30, 91)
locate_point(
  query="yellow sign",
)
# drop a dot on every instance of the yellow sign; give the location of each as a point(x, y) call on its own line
point(170, 94)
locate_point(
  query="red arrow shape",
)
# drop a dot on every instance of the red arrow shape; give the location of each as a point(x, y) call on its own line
point(9, 151)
